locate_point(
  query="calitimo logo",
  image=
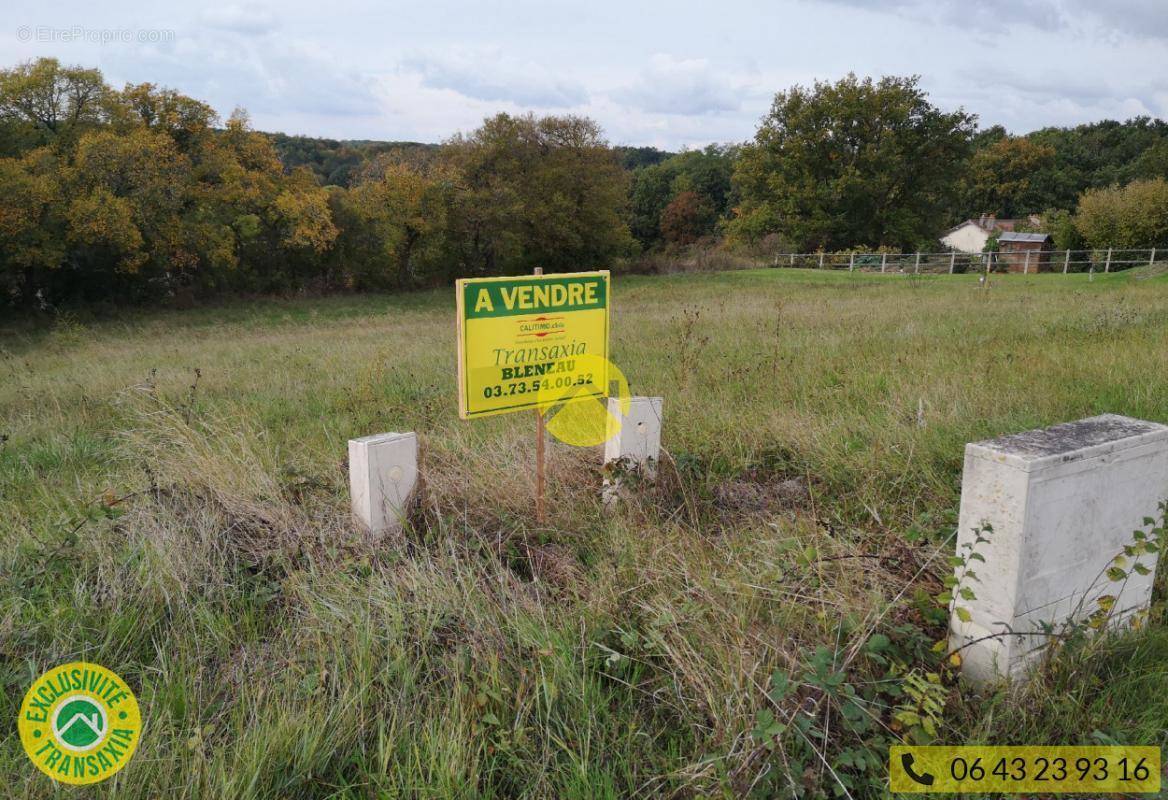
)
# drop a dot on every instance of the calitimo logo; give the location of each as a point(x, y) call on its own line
point(79, 723)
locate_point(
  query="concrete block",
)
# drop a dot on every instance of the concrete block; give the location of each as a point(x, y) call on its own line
point(383, 470)
point(638, 440)
point(1063, 502)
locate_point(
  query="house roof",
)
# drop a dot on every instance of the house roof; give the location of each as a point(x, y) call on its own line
point(1010, 236)
point(987, 224)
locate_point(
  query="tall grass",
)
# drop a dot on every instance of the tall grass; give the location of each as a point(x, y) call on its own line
point(190, 531)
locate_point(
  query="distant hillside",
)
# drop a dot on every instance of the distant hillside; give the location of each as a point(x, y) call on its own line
point(633, 157)
point(337, 161)
point(334, 161)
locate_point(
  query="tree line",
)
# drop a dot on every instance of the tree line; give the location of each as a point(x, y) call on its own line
point(143, 194)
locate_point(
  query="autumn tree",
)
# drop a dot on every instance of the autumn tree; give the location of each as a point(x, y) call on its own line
point(49, 100)
point(531, 192)
point(857, 162)
point(1007, 178)
point(706, 173)
point(31, 227)
point(687, 218)
point(395, 219)
point(1132, 216)
point(182, 118)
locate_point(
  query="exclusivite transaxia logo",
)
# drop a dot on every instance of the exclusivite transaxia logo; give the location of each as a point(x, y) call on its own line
point(79, 723)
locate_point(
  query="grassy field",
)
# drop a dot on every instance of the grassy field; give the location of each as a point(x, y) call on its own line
point(758, 623)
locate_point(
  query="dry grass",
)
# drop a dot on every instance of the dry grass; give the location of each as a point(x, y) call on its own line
point(192, 534)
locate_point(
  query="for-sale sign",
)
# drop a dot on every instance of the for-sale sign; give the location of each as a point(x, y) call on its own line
point(523, 337)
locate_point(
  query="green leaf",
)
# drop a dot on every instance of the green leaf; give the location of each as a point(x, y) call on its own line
point(878, 642)
point(963, 614)
point(780, 685)
point(908, 717)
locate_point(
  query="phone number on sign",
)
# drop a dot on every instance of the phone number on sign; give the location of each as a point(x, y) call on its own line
point(1050, 769)
point(538, 385)
point(1055, 769)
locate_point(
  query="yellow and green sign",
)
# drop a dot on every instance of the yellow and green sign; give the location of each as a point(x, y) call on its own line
point(79, 723)
point(523, 337)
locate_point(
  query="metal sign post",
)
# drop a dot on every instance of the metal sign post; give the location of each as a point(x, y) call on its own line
point(540, 435)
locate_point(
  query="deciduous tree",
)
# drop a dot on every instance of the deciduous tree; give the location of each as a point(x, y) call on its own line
point(857, 162)
point(1008, 178)
point(53, 100)
point(1132, 216)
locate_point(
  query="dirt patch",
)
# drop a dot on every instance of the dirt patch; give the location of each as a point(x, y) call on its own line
point(554, 564)
point(752, 497)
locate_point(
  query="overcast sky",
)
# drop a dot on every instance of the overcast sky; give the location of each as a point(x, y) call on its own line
point(673, 74)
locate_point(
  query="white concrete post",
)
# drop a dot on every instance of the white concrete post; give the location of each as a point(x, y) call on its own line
point(883, 261)
point(1152, 257)
point(1026, 264)
point(383, 470)
point(821, 259)
point(1107, 266)
point(1063, 503)
point(917, 264)
point(636, 442)
point(952, 260)
point(792, 259)
point(1067, 262)
point(852, 262)
point(638, 435)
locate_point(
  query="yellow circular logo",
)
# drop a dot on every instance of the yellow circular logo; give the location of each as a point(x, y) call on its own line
point(79, 723)
point(584, 405)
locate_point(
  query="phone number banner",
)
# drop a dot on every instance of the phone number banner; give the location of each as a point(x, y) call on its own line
point(520, 336)
point(1041, 769)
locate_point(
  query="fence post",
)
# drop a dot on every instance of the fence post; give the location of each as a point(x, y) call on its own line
point(883, 261)
point(1152, 258)
point(917, 265)
point(952, 260)
point(1107, 266)
point(1026, 264)
point(852, 262)
point(821, 259)
point(792, 259)
point(1067, 261)
point(776, 259)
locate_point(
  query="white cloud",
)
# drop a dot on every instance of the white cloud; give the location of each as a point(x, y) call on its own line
point(490, 74)
point(680, 86)
point(360, 69)
point(244, 19)
point(269, 77)
point(1136, 18)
